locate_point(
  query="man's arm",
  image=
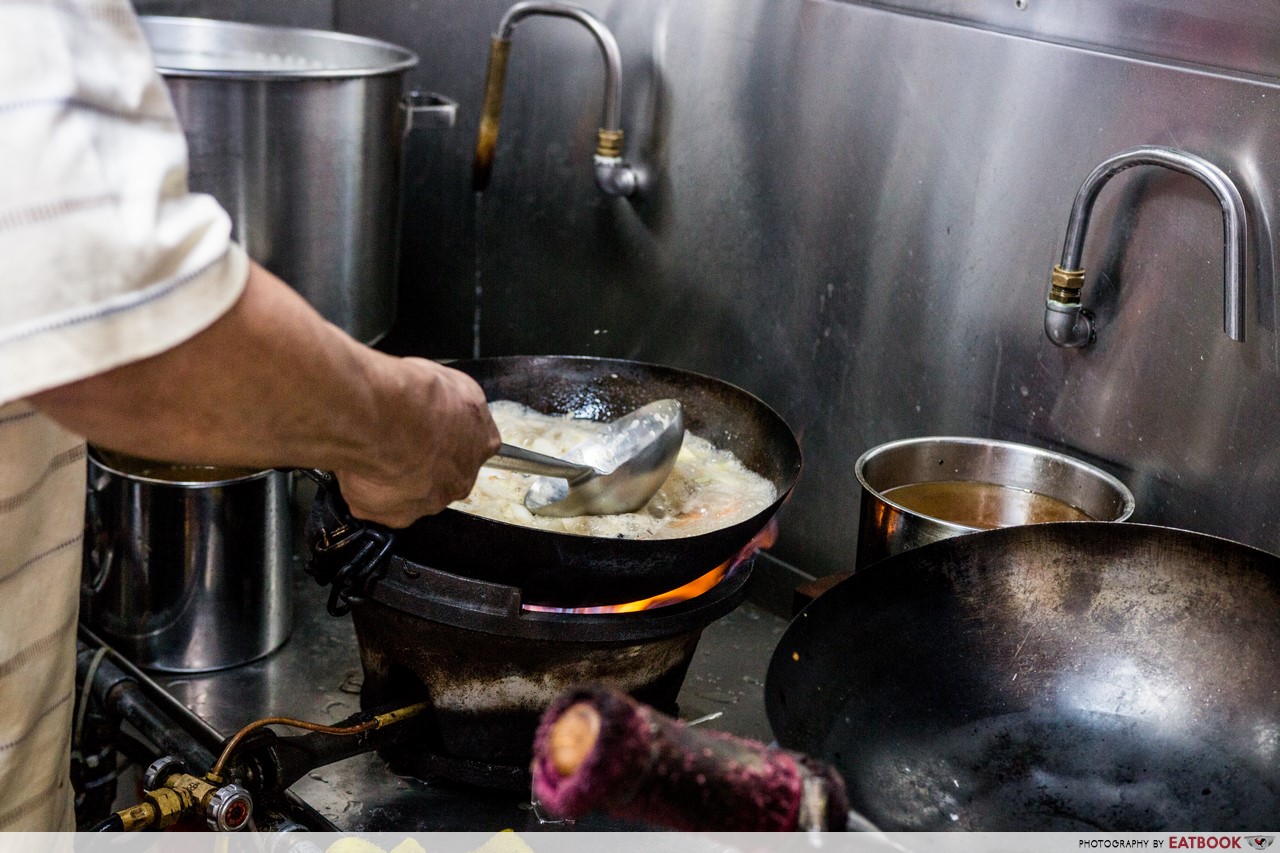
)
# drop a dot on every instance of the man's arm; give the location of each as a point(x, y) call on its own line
point(272, 384)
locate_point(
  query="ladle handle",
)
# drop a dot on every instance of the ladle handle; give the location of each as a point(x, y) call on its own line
point(512, 458)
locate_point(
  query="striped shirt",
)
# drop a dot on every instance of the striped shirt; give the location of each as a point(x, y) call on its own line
point(105, 258)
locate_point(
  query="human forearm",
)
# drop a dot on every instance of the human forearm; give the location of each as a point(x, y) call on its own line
point(272, 384)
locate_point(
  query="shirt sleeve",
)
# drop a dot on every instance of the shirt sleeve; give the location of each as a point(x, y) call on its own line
point(105, 257)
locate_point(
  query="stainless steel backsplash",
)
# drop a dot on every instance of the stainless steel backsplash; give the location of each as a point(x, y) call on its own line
point(852, 212)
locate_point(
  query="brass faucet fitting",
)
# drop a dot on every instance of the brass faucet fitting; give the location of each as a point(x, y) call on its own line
point(1065, 285)
point(609, 143)
point(491, 113)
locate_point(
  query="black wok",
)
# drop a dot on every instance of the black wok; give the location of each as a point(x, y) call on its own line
point(571, 570)
point(1077, 676)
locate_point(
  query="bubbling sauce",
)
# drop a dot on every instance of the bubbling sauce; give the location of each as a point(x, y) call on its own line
point(708, 489)
point(982, 505)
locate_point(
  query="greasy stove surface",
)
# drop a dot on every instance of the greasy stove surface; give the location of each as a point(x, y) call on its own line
point(316, 676)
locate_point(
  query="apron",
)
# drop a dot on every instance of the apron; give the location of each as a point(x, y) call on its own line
point(42, 488)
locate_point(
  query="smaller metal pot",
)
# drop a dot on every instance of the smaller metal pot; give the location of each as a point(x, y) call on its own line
point(186, 567)
point(888, 527)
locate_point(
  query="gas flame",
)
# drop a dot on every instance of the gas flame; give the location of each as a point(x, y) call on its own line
point(762, 540)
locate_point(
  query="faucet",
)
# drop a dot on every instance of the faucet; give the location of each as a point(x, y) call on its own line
point(1066, 323)
point(615, 177)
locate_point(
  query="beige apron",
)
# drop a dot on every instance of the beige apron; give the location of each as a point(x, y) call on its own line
point(42, 485)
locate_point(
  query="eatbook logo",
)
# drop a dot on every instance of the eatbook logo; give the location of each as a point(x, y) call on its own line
point(1261, 842)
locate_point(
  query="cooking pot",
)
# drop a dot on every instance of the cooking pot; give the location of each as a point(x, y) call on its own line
point(565, 569)
point(299, 135)
point(978, 483)
point(186, 566)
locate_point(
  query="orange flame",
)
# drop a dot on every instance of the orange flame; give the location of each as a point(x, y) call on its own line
point(682, 593)
point(762, 540)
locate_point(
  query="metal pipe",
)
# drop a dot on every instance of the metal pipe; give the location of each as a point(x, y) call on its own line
point(203, 733)
point(613, 175)
point(611, 118)
point(125, 690)
point(1066, 323)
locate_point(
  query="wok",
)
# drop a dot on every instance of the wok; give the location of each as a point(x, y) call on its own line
point(573, 570)
point(1071, 676)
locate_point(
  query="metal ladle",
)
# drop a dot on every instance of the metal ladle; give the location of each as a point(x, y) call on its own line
point(615, 472)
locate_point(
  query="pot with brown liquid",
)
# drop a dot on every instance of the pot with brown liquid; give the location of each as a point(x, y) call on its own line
point(186, 567)
point(916, 491)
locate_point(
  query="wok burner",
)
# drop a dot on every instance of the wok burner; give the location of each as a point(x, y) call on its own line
point(488, 666)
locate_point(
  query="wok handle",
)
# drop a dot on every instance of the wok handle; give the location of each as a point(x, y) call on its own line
point(326, 480)
point(512, 458)
point(346, 552)
point(599, 750)
point(315, 475)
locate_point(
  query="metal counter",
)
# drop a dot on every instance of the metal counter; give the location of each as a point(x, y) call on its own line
point(316, 676)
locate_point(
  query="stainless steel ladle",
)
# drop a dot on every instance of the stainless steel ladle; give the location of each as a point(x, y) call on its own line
point(617, 471)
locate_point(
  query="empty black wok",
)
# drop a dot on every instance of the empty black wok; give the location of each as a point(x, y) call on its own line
point(1077, 676)
point(572, 570)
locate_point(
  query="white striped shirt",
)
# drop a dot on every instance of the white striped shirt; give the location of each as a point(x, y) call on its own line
point(104, 259)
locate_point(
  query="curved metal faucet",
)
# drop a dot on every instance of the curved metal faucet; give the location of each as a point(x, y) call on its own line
point(1068, 324)
point(614, 176)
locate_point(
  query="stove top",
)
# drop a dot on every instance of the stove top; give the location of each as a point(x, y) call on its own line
point(317, 676)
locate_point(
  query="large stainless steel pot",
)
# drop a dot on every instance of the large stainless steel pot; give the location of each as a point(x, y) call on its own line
point(298, 134)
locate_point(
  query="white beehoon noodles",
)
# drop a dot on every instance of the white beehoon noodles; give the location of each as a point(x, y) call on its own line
point(709, 488)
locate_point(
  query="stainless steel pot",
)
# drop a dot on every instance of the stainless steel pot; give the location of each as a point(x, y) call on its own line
point(299, 134)
point(888, 527)
point(186, 567)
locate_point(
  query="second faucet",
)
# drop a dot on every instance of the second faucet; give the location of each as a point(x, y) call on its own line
point(1066, 323)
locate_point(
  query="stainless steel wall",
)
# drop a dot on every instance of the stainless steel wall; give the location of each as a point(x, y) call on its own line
point(852, 212)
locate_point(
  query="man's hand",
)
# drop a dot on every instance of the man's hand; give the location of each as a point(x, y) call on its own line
point(434, 439)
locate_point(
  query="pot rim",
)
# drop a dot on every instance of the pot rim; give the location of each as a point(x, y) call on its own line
point(96, 459)
point(401, 58)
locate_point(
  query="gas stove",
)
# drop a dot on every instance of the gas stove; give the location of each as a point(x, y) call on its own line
point(319, 675)
point(487, 666)
point(452, 673)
